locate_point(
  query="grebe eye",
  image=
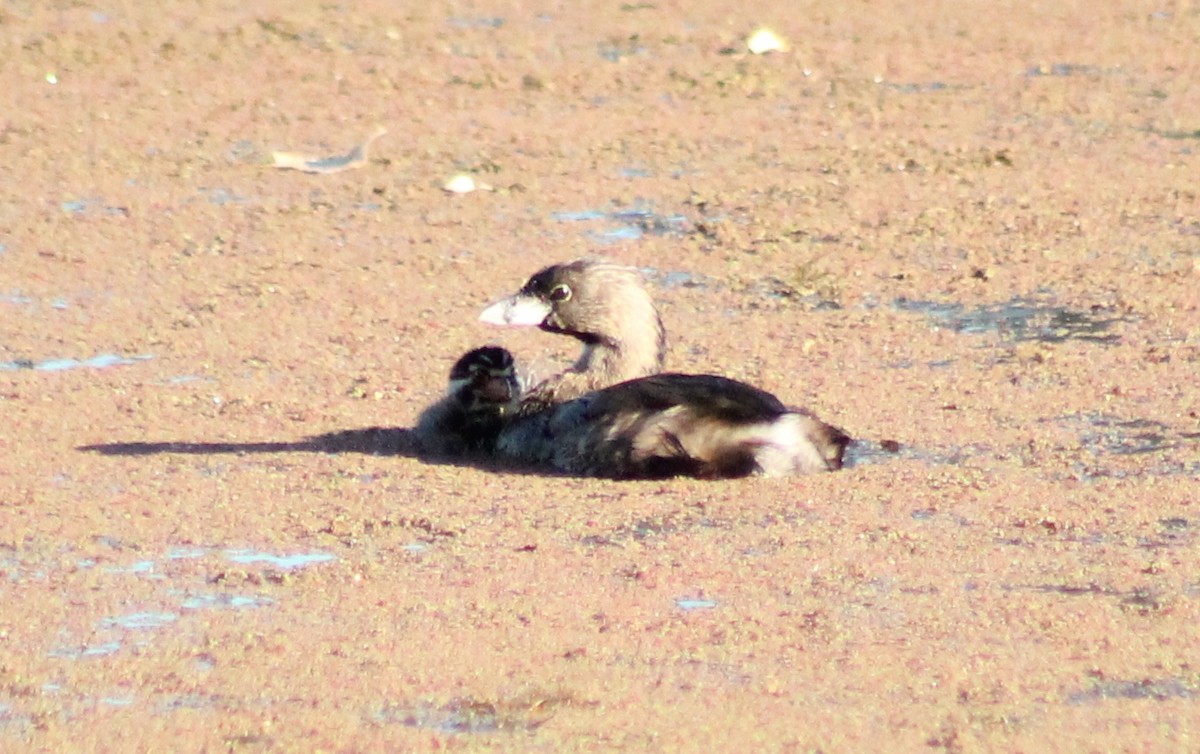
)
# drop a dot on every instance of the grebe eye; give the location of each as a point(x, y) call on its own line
point(560, 292)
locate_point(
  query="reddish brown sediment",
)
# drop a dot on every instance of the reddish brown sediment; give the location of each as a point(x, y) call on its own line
point(967, 229)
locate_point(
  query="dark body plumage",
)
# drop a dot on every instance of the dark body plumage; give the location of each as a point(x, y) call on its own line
point(668, 425)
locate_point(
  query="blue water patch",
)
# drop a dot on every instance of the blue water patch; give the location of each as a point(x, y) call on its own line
point(183, 379)
point(459, 716)
point(917, 88)
point(205, 662)
point(625, 233)
point(285, 562)
point(1157, 689)
point(614, 51)
point(668, 279)
point(57, 365)
point(103, 361)
point(141, 621)
point(15, 570)
point(89, 205)
point(96, 650)
point(651, 220)
point(685, 603)
point(476, 22)
point(633, 223)
point(1066, 69)
point(142, 566)
point(1023, 319)
point(204, 601)
point(186, 553)
point(574, 217)
point(222, 196)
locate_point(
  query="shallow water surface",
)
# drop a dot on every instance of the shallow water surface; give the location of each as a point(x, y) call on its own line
point(1022, 319)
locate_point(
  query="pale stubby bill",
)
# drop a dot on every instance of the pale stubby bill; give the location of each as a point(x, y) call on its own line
point(518, 311)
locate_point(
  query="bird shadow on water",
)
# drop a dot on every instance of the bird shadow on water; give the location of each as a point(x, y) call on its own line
point(1098, 450)
point(379, 441)
point(402, 442)
point(398, 442)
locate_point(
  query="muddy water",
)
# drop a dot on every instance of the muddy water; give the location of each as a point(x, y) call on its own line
point(967, 233)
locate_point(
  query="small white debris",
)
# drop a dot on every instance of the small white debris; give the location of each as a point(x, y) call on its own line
point(764, 40)
point(464, 184)
point(51, 77)
point(460, 184)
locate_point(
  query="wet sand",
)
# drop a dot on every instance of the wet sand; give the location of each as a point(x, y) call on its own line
point(971, 230)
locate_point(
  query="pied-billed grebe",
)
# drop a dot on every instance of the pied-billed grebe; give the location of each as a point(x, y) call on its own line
point(665, 425)
point(484, 392)
point(646, 424)
point(605, 306)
